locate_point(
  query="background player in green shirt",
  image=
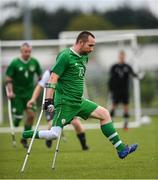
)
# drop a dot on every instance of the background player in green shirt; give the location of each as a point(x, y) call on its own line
point(67, 81)
point(20, 83)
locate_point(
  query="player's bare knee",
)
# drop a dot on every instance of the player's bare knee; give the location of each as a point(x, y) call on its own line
point(105, 116)
point(104, 113)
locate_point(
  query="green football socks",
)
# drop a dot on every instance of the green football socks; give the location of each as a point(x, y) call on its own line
point(29, 134)
point(110, 132)
point(16, 122)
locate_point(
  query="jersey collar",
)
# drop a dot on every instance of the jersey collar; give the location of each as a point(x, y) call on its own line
point(22, 60)
point(75, 52)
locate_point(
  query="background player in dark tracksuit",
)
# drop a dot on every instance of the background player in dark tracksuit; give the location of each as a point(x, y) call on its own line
point(119, 81)
point(20, 83)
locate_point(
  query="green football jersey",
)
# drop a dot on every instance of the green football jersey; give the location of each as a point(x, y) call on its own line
point(23, 73)
point(70, 67)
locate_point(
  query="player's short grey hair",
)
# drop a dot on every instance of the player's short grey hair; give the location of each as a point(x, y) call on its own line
point(26, 44)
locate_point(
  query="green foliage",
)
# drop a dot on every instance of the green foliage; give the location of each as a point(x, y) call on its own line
point(52, 23)
point(149, 87)
point(148, 40)
point(89, 22)
point(126, 16)
point(15, 31)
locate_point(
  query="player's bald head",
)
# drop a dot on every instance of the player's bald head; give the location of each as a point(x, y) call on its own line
point(83, 36)
point(26, 50)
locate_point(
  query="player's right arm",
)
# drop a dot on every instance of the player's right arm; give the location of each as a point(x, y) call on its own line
point(57, 70)
point(9, 86)
point(9, 79)
point(41, 84)
point(35, 95)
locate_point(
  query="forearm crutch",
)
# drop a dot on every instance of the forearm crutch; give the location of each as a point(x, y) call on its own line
point(11, 119)
point(35, 131)
point(57, 149)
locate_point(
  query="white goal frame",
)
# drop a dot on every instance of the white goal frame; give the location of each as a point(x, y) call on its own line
point(68, 38)
point(65, 42)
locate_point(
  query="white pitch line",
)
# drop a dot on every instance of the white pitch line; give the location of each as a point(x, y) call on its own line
point(70, 127)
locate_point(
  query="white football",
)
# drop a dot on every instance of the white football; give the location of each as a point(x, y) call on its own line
point(145, 120)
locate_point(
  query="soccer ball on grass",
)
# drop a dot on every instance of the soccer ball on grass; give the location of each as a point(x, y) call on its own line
point(145, 120)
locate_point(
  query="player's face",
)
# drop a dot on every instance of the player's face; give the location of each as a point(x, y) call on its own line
point(122, 57)
point(88, 46)
point(26, 52)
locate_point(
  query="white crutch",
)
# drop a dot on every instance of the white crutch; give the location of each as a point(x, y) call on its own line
point(56, 149)
point(57, 145)
point(11, 119)
point(35, 131)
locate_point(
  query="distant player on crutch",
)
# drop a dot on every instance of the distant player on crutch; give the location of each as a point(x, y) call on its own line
point(76, 123)
point(67, 82)
point(20, 85)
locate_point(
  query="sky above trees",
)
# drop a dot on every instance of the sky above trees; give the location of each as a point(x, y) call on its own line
point(84, 5)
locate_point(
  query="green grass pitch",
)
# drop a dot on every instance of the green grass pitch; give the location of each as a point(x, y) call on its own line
point(100, 162)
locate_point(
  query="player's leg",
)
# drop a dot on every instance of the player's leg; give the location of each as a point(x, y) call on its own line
point(115, 100)
point(63, 115)
point(113, 108)
point(125, 117)
point(110, 132)
point(49, 117)
point(17, 110)
point(80, 132)
point(90, 109)
point(125, 100)
point(30, 115)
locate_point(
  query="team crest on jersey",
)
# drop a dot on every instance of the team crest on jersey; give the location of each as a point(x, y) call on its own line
point(13, 110)
point(20, 68)
point(84, 63)
point(32, 68)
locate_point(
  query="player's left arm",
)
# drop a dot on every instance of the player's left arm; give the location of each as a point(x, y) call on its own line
point(132, 72)
point(51, 85)
point(138, 75)
point(38, 70)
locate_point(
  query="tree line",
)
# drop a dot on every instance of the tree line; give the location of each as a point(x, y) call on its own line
point(48, 25)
